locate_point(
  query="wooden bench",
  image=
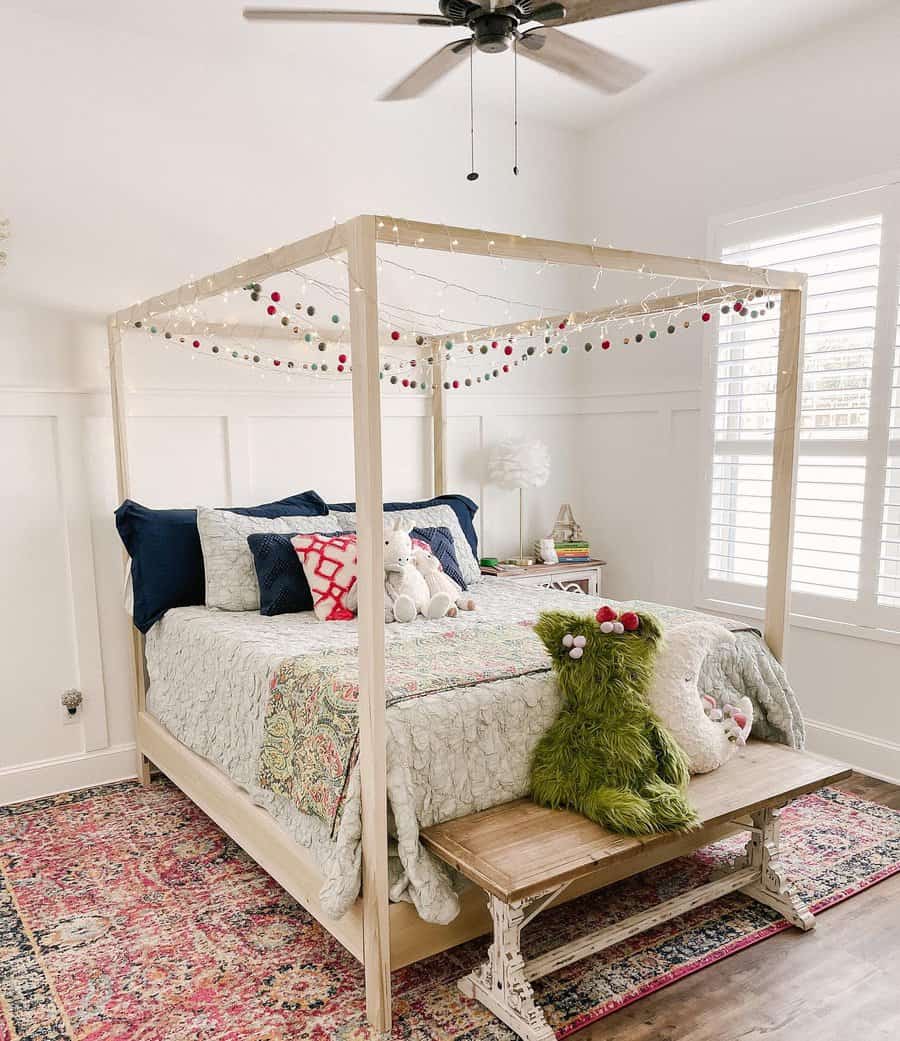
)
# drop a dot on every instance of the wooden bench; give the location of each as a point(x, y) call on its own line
point(525, 856)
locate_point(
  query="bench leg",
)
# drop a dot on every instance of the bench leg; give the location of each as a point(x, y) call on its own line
point(773, 889)
point(500, 982)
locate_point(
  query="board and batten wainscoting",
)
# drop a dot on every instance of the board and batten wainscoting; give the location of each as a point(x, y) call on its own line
point(63, 625)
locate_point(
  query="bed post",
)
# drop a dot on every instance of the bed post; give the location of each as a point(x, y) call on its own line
point(120, 438)
point(363, 289)
point(784, 471)
point(438, 423)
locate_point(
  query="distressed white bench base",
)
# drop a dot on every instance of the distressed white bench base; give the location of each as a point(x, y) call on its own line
point(527, 857)
point(502, 983)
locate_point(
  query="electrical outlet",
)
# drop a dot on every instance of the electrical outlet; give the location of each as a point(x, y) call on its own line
point(71, 701)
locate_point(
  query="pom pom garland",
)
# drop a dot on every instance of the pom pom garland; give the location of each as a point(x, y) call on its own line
point(750, 303)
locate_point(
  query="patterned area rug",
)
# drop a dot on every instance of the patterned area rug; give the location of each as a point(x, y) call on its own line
point(126, 915)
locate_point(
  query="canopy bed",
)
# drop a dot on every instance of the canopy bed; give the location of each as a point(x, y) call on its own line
point(386, 935)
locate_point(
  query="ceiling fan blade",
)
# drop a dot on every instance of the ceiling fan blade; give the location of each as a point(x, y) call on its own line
point(580, 60)
point(585, 10)
point(547, 13)
point(429, 72)
point(288, 14)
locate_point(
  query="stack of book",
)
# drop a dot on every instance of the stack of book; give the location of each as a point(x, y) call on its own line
point(573, 552)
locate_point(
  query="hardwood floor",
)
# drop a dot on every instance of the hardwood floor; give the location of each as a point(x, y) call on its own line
point(838, 983)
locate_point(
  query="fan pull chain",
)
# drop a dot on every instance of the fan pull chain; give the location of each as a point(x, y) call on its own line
point(473, 176)
point(516, 106)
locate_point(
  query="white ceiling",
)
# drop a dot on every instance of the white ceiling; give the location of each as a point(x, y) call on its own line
point(677, 43)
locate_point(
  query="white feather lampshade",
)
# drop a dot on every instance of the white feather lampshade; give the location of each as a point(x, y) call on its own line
point(519, 464)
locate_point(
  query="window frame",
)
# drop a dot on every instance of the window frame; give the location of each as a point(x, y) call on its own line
point(863, 616)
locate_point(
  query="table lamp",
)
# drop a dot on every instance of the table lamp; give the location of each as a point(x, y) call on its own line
point(519, 464)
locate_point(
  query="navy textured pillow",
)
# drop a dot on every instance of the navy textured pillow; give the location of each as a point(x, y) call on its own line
point(441, 542)
point(166, 558)
point(462, 506)
point(283, 588)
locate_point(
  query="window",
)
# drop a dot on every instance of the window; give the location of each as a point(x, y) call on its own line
point(846, 558)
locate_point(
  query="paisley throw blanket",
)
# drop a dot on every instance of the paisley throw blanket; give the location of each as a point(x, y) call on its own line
point(311, 729)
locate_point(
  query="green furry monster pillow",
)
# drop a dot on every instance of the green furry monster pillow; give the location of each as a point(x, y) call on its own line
point(606, 755)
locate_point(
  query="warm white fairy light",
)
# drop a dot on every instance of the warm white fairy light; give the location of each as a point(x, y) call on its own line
point(422, 331)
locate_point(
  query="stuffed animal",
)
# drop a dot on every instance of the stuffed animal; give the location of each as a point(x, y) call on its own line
point(404, 587)
point(708, 735)
point(438, 581)
point(607, 755)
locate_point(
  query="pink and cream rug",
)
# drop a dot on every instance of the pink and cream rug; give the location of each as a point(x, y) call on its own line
point(126, 915)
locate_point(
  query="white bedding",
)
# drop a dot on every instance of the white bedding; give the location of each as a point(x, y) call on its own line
point(448, 754)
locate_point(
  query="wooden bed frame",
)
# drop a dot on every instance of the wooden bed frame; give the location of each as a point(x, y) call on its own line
point(385, 936)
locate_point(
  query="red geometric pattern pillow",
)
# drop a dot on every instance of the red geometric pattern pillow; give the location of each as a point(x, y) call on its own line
point(329, 564)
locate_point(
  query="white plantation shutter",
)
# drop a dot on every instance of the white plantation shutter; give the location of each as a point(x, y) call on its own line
point(889, 557)
point(841, 535)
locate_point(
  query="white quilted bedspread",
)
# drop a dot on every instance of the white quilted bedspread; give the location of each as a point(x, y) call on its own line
point(448, 754)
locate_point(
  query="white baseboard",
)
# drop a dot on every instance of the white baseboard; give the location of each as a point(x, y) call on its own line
point(67, 773)
point(870, 755)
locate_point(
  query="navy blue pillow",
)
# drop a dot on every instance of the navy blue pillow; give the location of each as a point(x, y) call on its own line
point(166, 558)
point(283, 588)
point(462, 506)
point(441, 542)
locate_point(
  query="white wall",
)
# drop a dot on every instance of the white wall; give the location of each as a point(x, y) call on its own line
point(794, 123)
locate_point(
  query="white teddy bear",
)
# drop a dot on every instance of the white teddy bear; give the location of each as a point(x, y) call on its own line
point(438, 581)
point(406, 593)
point(708, 735)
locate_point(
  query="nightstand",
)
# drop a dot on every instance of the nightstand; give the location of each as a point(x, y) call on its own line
point(572, 578)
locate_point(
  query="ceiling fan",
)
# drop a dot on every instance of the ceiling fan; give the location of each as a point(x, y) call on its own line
point(495, 26)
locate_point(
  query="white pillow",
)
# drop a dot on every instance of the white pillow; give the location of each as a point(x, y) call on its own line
point(429, 517)
point(231, 583)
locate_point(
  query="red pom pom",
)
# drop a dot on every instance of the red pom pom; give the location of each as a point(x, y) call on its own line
point(342, 358)
point(271, 309)
point(276, 362)
point(455, 384)
point(196, 343)
point(630, 621)
point(395, 335)
point(706, 316)
point(494, 344)
point(606, 345)
point(506, 368)
point(340, 368)
point(405, 383)
point(606, 614)
point(562, 325)
point(276, 296)
point(507, 350)
point(738, 306)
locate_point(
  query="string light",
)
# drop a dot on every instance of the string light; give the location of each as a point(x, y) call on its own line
point(554, 337)
point(469, 349)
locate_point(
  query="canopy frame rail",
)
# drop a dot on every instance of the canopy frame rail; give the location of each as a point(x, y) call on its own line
point(358, 240)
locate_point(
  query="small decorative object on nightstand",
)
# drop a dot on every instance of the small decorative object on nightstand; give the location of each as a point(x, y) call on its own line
point(584, 577)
